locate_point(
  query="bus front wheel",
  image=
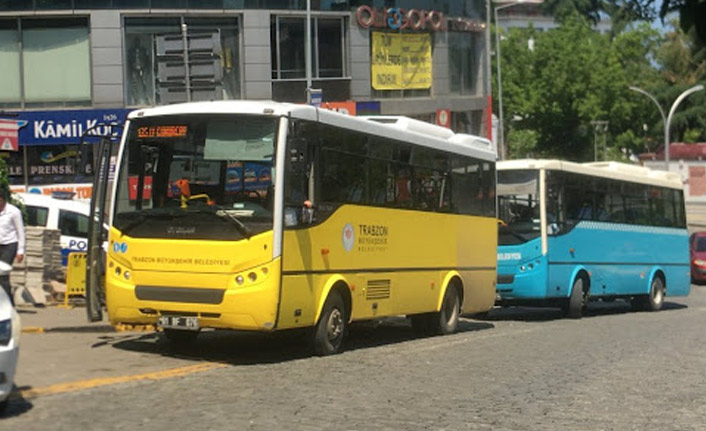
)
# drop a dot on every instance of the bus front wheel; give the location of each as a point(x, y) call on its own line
point(331, 327)
point(652, 301)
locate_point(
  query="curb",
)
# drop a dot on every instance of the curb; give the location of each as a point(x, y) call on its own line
point(88, 329)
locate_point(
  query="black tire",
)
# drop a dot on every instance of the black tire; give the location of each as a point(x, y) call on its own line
point(652, 301)
point(446, 320)
point(576, 302)
point(180, 337)
point(331, 327)
point(3, 405)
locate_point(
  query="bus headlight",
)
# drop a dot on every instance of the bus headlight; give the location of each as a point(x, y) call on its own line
point(240, 280)
point(252, 276)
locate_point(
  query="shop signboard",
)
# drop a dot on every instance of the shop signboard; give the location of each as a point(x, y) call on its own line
point(66, 127)
point(401, 61)
point(348, 108)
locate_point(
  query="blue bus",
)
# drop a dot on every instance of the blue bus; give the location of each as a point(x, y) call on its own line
point(572, 233)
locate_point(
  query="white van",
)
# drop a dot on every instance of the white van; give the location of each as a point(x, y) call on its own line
point(60, 212)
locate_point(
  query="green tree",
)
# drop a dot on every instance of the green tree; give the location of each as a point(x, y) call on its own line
point(5, 189)
point(572, 76)
point(692, 16)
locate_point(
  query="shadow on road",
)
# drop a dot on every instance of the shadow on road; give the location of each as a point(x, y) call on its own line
point(543, 314)
point(17, 405)
point(248, 348)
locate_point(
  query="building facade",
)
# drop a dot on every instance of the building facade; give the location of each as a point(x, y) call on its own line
point(689, 161)
point(522, 15)
point(69, 65)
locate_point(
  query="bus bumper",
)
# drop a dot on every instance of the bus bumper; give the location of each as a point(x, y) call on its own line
point(247, 306)
point(514, 284)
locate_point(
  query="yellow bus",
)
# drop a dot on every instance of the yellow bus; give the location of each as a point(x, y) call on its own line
point(266, 216)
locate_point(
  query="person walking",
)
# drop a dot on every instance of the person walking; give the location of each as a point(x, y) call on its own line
point(12, 238)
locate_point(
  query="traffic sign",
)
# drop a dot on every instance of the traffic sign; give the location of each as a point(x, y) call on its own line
point(315, 96)
point(443, 117)
point(9, 137)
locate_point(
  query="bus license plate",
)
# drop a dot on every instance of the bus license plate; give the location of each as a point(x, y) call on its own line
point(189, 323)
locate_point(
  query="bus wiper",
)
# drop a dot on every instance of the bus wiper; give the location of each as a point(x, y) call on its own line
point(239, 225)
point(225, 215)
point(143, 215)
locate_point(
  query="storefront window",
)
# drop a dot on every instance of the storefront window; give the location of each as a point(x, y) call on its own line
point(288, 37)
point(9, 63)
point(464, 62)
point(156, 67)
point(55, 61)
point(49, 164)
point(328, 58)
point(448, 6)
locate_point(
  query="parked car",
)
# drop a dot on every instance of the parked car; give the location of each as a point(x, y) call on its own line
point(697, 251)
point(9, 344)
point(62, 212)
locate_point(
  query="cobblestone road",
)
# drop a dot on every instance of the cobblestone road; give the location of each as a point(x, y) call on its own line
point(520, 369)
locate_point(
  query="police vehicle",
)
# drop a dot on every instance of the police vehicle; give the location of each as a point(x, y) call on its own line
point(59, 211)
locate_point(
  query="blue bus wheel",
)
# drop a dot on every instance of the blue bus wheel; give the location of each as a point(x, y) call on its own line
point(652, 301)
point(576, 301)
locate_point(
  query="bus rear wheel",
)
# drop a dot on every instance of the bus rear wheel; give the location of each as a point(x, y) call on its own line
point(446, 320)
point(576, 302)
point(331, 327)
point(652, 301)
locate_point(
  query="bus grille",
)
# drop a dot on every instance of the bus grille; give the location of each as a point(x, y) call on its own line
point(506, 278)
point(378, 289)
point(179, 294)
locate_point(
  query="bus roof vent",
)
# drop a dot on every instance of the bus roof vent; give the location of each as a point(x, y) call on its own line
point(412, 125)
point(472, 141)
point(625, 168)
point(620, 167)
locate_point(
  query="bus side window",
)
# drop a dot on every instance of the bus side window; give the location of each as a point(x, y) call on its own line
point(296, 180)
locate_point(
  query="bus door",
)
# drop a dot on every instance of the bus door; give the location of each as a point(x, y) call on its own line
point(100, 153)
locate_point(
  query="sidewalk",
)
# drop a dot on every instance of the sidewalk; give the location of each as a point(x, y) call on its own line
point(57, 318)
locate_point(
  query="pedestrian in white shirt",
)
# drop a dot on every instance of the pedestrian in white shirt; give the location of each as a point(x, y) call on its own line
point(12, 238)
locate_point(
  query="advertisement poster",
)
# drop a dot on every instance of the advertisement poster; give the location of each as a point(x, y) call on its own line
point(401, 61)
point(248, 177)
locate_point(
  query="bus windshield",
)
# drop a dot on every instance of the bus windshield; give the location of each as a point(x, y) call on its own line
point(518, 206)
point(196, 177)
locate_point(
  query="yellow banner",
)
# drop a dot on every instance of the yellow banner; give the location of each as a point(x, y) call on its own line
point(401, 61)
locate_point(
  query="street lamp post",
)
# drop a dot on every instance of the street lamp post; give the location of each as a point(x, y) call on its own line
point(599, 126)
point(667, 120)
point(501, 132)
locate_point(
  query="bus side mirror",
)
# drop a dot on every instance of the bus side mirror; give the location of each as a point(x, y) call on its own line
point(290, 217)
point(307, 212)
point(553, 229)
